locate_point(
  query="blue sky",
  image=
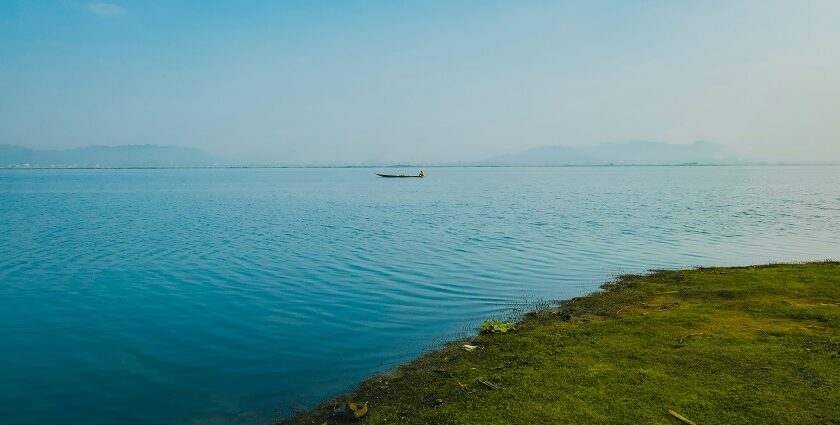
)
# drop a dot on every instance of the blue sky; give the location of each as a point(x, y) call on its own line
point(348, 81)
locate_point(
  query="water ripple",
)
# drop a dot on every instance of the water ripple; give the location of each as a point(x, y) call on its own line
point(231, 296)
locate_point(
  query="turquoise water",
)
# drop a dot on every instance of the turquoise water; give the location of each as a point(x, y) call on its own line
point(239, 295)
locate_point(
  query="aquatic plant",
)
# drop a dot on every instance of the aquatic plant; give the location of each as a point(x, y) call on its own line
point(496, 327)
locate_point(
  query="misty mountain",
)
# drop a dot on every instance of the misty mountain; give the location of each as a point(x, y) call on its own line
point(107, 157)
point(630, 153)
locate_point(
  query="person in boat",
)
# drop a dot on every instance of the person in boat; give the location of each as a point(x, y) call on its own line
point(422, 174)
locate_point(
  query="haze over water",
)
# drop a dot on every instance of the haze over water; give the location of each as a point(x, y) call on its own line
point(229, 296)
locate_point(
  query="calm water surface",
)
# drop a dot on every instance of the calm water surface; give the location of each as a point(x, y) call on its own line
point(235, 296)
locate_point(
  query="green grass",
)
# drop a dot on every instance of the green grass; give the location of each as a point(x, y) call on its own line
point(717, 345)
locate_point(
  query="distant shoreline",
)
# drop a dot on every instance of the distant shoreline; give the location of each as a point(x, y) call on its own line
point(829, 164)
point(637, 153)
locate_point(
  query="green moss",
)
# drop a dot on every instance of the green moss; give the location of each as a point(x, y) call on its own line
point(717, 345)
point(496, 326)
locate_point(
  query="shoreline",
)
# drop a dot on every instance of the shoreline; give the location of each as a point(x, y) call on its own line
point(705, 345)
point(367, 167)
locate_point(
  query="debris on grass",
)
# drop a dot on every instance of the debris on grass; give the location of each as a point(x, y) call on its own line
point(690, 335)
point(355, 411)
point(489, 384)
point(469, 347)
point(682, 418)
point(350, 410)
point(496, 327)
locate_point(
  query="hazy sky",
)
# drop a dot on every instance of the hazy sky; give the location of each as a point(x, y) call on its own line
point(347, 81)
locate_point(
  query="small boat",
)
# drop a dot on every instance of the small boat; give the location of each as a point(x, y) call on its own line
point(421, 175)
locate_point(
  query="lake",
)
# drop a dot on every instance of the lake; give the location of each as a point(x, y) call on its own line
point(228, 296)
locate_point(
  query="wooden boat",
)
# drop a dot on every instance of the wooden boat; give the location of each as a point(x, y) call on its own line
point(396, 175)
point(421, 175)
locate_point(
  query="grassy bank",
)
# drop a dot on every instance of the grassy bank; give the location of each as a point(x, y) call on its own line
point(715, 345)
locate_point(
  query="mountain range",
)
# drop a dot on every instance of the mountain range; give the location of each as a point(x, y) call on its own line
point(140, 156)
point(128, 156)
point(630, 153)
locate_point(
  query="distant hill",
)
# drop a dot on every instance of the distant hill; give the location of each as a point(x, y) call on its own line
point(630, 153)
point(106, 157)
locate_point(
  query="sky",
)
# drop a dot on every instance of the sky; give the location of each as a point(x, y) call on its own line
point(432, 81)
